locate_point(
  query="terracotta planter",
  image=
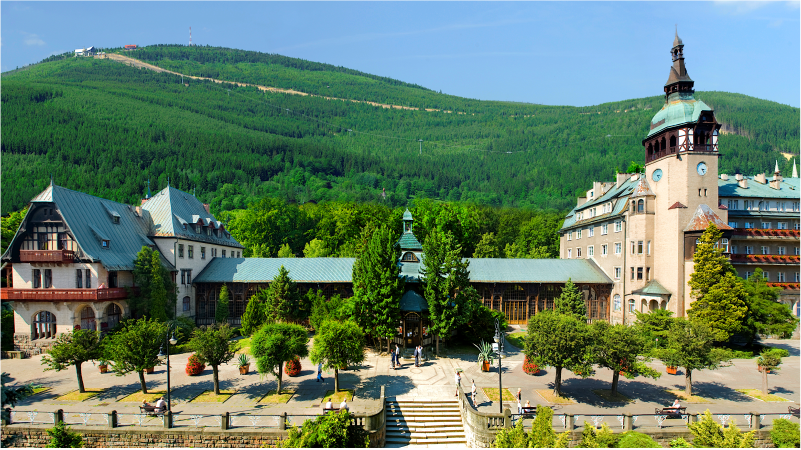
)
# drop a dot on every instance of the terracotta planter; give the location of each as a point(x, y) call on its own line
point(671, 370)
point(103, 369)
point(243, 370)
point(485, 366)
point(150, 370)
point(761, 369)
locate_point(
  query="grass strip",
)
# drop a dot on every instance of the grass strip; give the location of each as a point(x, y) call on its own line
point(517, 339)
point(211, 397)
point(549, 397)
point(139, 397)
point(492, 394)
point(757, 394)
point(274, 397)
point(687, 399)
point(76, 396)
point(336, 399)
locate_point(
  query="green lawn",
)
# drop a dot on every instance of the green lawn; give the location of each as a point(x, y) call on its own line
point(517, 339)
point(492, 394)
point(273, 397)
point(139, 397)
point(691, 399)
point(79, 397)
point(243, 345)
point(548, 396)
point(336, 399)
point(210, 397)
point(757, 394)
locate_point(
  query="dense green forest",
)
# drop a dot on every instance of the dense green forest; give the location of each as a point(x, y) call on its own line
point(104, 128)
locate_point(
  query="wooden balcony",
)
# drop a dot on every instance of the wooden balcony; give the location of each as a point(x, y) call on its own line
point(52, 256)
point(63, 295)
point(766, 233)
point(766, 259)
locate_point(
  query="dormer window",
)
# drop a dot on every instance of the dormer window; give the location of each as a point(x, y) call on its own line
point(208, 231)
point(105, 243)
point(409, 257)
point(115, 219)
point(198, 228)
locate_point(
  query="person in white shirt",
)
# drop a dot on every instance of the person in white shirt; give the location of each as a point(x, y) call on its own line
point(344, 405)
point(161, 405)
point(329, 404)
point(458, 380)
point(473, 392)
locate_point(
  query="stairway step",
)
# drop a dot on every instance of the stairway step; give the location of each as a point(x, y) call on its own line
point(410, 425)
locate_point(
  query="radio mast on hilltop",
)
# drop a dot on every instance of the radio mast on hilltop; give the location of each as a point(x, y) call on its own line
point(190, 36)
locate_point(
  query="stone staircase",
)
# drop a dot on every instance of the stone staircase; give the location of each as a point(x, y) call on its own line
point(424, 422)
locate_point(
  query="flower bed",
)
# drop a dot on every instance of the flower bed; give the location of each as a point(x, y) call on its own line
point(530, 368)
point(292, 367)
point(194, 366)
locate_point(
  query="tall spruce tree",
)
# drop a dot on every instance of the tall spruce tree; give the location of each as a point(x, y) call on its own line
point(282, 297)
point(377, 286)
point(255, 315)
point(221, 313)
point(155, 295)
point(571, 301)
point(158, 290)
point(720, 298)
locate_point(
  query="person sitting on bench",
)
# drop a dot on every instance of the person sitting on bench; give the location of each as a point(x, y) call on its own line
point(161, 406)
point(675, 407)
point(329, 405)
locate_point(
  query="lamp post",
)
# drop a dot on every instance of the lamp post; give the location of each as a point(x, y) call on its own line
point(499, 341)
point(167, 343)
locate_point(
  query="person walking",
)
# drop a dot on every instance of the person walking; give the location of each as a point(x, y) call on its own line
point(473, 392)
point(392, 359)
point(320, 372)
point(417, 356)
point(397, 356)
point(519, 395)
point(458, 380)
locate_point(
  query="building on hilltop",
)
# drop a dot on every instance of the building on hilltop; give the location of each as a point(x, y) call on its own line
point(641, 229)
point(72, 258)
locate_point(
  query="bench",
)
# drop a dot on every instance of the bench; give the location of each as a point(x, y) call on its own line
point(15, 355)
point(672, 413)
point(150, 410)
point(335, 409)
point(529, 412)
point(793, 410)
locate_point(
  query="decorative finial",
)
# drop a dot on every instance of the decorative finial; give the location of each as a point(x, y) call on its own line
point(776, 170)
point(795, 170)
point(148, 189)
point(168, 181)
point(51, 179)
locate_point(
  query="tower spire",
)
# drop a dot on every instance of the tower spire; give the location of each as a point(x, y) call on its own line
point(148, 189)
point(795, 170)
point(678, 79)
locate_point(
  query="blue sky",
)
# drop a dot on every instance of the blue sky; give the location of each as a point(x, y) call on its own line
point(557, 53)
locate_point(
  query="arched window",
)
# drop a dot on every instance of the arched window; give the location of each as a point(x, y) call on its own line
point(641, 206)
point(409, 257)
point(617, 302)
point(44, 325)
point(113, 315)
point(88, 319)
point(186, 306)
point(664, 144)
point(673, 141)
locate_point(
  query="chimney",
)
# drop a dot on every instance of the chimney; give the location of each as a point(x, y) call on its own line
point(724, 177)
point(743, 182)
point(622, 178)
point(581, 201)
point(760, 178)
point(738, 177)
point(138, 210)
point(206, 207)
point(144, 200)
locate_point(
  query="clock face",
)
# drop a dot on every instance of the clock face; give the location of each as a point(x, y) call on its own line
point(702, 169)
point(657, 175)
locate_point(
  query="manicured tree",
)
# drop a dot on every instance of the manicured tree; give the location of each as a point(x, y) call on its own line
point(765, 314)
point(708, 433)
point(768, 360)
point(562, 342)
point(690, 346)
point(221, 313)
point(720, 299)
point(214, 346)
point(571, 301)
point(135, 347)
point(73, 349)
point(255, 315)
point(620, 348)
point(282, 297)
point(337, 345)
point(274, 344)
point(62, 437)
point(378, 286)
point(335, 430)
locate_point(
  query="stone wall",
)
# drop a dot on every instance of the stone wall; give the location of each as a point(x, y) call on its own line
point(24, 344)
point(663, 437)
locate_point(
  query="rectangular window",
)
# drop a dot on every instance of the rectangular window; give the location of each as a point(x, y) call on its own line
point(104, 243)
point(180, 250)
point(733, 224)
point(748, 225)
point(604, 250)
point(639, 273)
point(639, 247)
point(578, 252)
point(633, 247)
point(578, 234)
point(112, 279)
point(765, 250)
point(632, 274)
point(798, 277)
point(766, 225)
point(782, 251)
point(734, 204)
point(618, 248)
point(48, 278)
point(189, 276)
point(749, 250)
point(782, 206)
point(37, 278)
point(618, 226)
point(186, 303)
point(747, 275)
point(781, 225)
point(592, 231)
point(238, 254)
point(202, 252)
point(795, 206)
point(88, 278)
point(569, 253)
point(766, 275)
point(618, 271)
point(590, 251)
point(724, 244)
point(648, 273)
point(79, 278)
point(649, 247)
point(183, 276)
point(223, 253)
point(213, 252)
point(734, 249)
point(796, 251)
point(569, 236)
point(604, 228)
point(191, 251)
point(617, 302)
point(780, 277)
point(797, 226)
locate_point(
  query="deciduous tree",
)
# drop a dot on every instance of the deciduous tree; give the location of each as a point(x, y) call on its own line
point(214, 346)
point(338, 345)
point(768, 361)
point(73, 349)
point(135, 347)
point(274, 344)
point(620, 348)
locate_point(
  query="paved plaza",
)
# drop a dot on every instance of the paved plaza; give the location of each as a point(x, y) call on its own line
point(434, 379)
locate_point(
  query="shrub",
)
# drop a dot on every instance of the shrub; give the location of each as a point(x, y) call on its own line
point(594, 438)
point(540, 436)
point(332, 430)
point(195, 365)
point(512, 437)
point(680, 443)
point(785, 434)
point(530, 368)
point(292, 367)
point(633, 439)
point(708, 433)
point(62, 437)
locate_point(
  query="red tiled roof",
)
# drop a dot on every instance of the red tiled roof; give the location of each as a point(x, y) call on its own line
point(776, 259)
point(677, 205)
point(703, 217)
point(794, 286)
point(723, 207)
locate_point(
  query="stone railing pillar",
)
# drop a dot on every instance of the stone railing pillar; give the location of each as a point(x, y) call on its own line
point(692, 418)
point(58, 416)
point(570, 422)
point(166, 419)
point(628, 422)
point(282, 421)
point(112, 419)
point(755, 422)
point(507, 418)
point(225, 420)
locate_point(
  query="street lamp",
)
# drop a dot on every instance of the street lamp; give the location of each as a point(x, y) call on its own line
point(499, 342)
point(161, 354)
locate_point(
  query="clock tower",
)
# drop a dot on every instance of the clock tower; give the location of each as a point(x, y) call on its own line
point(681, 167)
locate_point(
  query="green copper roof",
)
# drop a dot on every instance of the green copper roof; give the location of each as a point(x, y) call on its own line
point(412, 301)
point(407, 215)
point(263, 270)
point(681, 108)
point(652, 288)
point(407, 241)
point(788, 189)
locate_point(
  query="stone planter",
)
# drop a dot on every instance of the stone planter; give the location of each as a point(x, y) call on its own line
point(150, 370)
point(671, 370)
point(103, 368)
point(243, 370)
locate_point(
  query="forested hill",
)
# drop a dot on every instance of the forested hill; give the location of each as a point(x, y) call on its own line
point(105, 128)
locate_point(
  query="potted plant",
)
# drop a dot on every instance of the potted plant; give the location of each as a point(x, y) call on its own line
point(485, 355)
point(194, 366)
point(530, 368)
point(671, 370)
point(292, 367)
point(103, 364)
point(244, 364)
point(150, 370)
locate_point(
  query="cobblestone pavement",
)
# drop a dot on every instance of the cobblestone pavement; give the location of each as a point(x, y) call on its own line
point(434, 379)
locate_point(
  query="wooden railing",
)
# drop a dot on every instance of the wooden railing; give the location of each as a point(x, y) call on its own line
point(63, 295)
point(58, 256)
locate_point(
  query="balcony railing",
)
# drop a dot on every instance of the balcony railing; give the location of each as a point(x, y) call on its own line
point(766, 259)
point(759, 232)
point(57, 256)
point(63, 295)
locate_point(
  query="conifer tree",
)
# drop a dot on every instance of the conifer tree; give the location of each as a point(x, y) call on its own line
point(377, 286)
point(571, 301)
point(158, 292)
point(255, 315)
point(221, 313)
point(282, 297)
